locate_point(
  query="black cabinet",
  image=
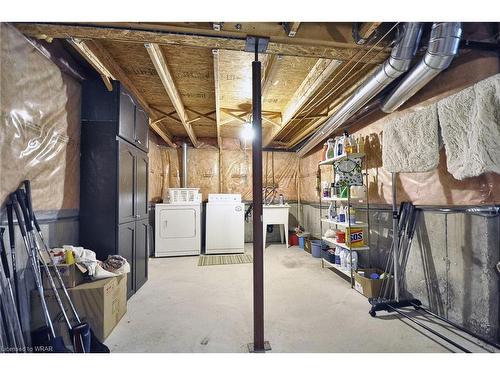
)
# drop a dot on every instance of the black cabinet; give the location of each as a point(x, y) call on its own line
point(141, 252)
point(126, 245)
point(126, 121)
point(141, 127)
point(114, 178)
point(130, 120)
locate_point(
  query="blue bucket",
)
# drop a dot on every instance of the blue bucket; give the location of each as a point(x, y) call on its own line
point(316, 248)
point(302, 241)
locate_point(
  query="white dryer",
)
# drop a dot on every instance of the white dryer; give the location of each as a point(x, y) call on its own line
point(225, 224)
point(177, 229)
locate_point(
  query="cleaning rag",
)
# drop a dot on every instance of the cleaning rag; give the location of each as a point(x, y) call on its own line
point(411, 141)
point(470, 127)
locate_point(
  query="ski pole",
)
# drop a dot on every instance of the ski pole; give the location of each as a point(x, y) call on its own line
point(10, 294)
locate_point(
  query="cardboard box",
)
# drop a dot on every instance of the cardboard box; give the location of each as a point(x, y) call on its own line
point(101, 303)
point(71, 274)
point(366, 286)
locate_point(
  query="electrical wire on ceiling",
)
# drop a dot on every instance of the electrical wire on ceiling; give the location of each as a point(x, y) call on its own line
point(356, 59)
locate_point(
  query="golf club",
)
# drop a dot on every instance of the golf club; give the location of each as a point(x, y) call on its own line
point(10, 300)
point(83, 339)
point(44, 338)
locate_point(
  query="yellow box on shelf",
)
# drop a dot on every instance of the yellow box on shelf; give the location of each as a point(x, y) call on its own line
point(354, 237)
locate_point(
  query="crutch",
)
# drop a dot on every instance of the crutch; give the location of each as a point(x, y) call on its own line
point(81, 335)
point(12, 242)
point(11, 301)
point(45, 335)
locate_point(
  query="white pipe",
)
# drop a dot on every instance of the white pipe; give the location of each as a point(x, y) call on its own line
point(184, 165)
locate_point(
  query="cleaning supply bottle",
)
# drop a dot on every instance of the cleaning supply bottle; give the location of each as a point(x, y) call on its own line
point(326, 190)
point(330, 151)
point(342, 258)
point(347, 262)
point(331, 211)
point(324, 152)
point(340, 146)
point(341, 215)
point(348, 143)
point(337, 255)
point(354, 256)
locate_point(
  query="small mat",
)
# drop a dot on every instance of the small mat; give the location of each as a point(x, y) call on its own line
point(217, 260)
point(410, 142)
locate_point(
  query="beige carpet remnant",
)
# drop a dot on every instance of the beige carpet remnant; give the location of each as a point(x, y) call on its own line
point(470, 127)
point(411, 142)
point(217, 260)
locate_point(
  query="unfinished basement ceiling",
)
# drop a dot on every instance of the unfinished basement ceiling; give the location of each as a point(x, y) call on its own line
point(304, 78)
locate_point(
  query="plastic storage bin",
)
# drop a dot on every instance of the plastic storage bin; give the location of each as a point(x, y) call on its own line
point(184, 195)
point(302, 239)
point(316, 248)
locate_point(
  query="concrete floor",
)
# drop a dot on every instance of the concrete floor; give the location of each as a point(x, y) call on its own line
point(186, 308)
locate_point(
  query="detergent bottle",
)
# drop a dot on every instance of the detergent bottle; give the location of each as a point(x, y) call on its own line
point(331, 211)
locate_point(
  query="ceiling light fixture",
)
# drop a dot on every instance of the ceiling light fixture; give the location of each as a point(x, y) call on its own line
point(247, 132)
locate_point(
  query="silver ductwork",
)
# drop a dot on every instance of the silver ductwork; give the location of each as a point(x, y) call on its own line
point(184, 165)
point(397, 64)
point(443, 46)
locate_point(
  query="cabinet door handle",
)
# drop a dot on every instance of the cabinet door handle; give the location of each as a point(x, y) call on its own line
point(139, 142)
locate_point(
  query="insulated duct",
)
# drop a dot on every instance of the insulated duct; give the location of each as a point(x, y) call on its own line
point(443, 46)
point(397, 64)
point(184, 165)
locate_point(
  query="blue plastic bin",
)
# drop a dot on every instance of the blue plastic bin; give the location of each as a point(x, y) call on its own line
point(302, 241)
point(316, 248)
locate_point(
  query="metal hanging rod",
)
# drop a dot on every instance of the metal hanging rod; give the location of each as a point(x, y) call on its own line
point(486, 211)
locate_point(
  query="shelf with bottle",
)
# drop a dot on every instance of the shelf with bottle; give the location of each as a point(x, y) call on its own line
point(341, 148)
point(333, 241)
point(356, 224)
point(342, 157)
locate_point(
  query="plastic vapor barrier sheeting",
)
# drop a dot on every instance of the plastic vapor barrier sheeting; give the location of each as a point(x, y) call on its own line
point(40, 125)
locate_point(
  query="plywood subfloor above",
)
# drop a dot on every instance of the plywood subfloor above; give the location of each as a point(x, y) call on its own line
point(193, 73)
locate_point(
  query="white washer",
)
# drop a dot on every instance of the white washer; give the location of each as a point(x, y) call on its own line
point(177, 229)
point(225, 225)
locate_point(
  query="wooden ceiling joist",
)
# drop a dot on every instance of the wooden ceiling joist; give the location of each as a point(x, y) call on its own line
point(367, 28)
point(92, 59)
point(161, 67)
point(288, 46)
point(218, 122)
point(318, 75)
point(269, 73)
point(106, 60)
point(291, 28)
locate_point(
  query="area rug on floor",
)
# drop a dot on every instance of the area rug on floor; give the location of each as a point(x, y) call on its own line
point(216, 260)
